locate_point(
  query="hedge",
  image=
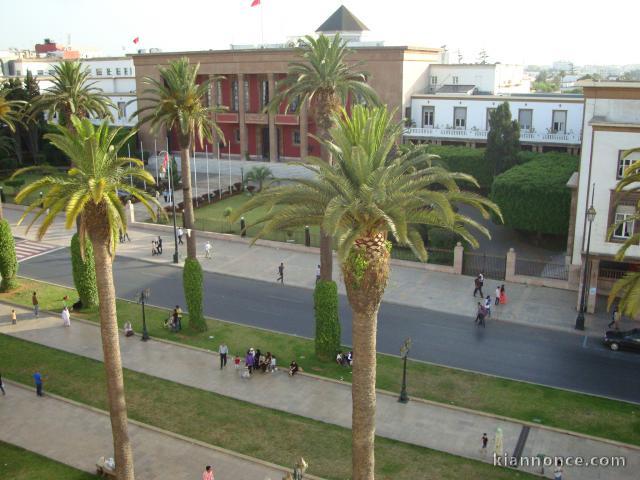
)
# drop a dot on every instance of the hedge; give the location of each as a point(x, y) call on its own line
point(84, 272)
point(534, 196)
point(465, 160)
point(8, 261)
point(325, 302)
point(192, 281)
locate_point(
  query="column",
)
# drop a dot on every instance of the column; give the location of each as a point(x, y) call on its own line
point(304, 130)
point(273, 133)
point(510, 270)
point(213, 94)
point(241, 118)
point(458, 258)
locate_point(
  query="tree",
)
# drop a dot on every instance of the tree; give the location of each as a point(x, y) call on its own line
point(89, 191)
point(12, 106)
point(34, 122)
point(323, 78)
point(72, 94)
point(259, 175)
point(372, 191)
point(627, 289)
point(8, 261)
point(503, 140)
point(10, 117)
point(83, 269)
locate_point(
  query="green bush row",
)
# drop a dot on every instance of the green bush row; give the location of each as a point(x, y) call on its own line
point(325, 301)
point(192, 281)
point(8, 261)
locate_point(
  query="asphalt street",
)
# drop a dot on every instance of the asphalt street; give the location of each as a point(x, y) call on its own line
point(508, 350)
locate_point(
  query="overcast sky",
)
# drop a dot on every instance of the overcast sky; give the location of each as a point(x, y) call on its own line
point(515, 31)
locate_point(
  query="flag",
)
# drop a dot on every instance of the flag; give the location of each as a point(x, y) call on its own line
point(136, 40)
point(165, 161)
point(255, 3)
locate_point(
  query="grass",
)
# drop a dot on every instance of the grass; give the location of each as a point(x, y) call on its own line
point(577, 412)
point(255, 431)
point(19, 464)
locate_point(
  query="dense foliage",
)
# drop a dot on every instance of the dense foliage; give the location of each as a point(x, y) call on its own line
point(503, 140)
point(192, 279)
point(325, 301)
point(534, 196)
point(84, 272)
point(465, 160)
point(8, 262)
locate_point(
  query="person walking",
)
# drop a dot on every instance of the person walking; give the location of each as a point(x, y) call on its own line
point(487, 305)
point(485, 440)
point(503, 295)
point(66, 318)
point(2, 385)
point(478, 285)
point(180, 235)
point(557, 472)
point(14, 317)
point(37, 378)
point(317, 274)
point(498, 295)
point(280, 273)
point(34, 302)
point(159, 245)
point(165, 194)
point(480, 314)
point(223, 350)
point(208, 473)
point(615, 318)
point(207, 249)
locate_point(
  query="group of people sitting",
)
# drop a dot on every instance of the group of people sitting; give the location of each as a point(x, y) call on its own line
point(156, 246)
point(174, 322)
point(344, 359)
point(255, 360)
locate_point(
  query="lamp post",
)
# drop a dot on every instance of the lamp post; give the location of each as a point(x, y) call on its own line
point(591, 215)
point(404, 353)
point(142, 298)
point(173, 204)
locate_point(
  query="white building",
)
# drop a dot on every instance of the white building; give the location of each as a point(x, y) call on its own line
point(115, 76)
point(481, 78)
point(611, 126)
point(569, 82)
point(547, 122)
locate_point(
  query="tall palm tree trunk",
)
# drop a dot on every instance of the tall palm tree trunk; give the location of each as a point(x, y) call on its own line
point(111, 350)
point(326, 241)
point(364, 290)
point(189, 219)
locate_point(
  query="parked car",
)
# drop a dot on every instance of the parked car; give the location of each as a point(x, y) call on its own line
point(615, 339)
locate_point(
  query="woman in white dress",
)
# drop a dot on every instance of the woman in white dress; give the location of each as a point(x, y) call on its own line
point(66, 318)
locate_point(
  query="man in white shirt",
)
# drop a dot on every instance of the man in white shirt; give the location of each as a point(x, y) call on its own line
point(180, 234)
point(223, 351)
point(207, 249)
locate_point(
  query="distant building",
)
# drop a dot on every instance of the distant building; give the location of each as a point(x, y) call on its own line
point(611, 126)
point(569, 82)
point(487, 79)
point(563, 66)
point(52, 49)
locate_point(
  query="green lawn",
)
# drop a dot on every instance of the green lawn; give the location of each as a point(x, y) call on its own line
point(233, 424)
point(19, 464)
point(582, 413)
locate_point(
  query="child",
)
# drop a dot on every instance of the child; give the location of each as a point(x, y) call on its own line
point(236, 362)
point(14, 318)
point(498, 295)
point(503, 296)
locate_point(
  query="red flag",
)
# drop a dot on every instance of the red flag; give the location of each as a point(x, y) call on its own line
point(255, 3)
point(136, 40)
point(165, 161)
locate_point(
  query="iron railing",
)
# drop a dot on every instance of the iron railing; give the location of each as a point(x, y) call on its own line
point(542, 268)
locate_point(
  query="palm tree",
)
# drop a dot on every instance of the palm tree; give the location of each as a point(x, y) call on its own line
point(90, 191)
point(628, 287)
point(10, 115)
point(324, 80)
point(176, 101)
point(259, 174)
point(372, 190)
point(72, 94)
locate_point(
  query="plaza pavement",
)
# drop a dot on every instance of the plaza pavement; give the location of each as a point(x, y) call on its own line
point(409, 284)
point(437, 426)
point(78, 435)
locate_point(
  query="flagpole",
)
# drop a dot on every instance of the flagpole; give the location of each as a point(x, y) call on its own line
point(219, 185)
point(261, 27)
point(229, 167)
point(144, 182)
point(155, 152)
point(206, 154)
point(129, 155)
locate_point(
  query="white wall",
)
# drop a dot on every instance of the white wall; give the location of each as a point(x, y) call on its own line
point(482, 76)
point(415, 76)
point(477, 110)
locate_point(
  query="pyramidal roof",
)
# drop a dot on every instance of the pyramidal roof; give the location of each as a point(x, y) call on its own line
point(342, 20)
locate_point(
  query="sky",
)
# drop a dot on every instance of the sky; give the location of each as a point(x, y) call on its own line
point(515, 31)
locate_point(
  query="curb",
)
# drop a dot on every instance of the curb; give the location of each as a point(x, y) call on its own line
point(168, 433)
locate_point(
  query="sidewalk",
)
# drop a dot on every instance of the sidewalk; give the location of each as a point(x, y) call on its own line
point(409, 284)
point(448, 429)
point(39, 424)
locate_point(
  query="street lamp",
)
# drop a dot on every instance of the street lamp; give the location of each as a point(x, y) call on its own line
point(142, 298)
point(591, 215)
point(173, 204)
point(404, 353)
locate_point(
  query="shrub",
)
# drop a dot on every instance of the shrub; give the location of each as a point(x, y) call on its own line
point(84, 272)
point(325, 301)
point(466, 160)
point(16, 183)
point(8, 261)
point(534, 196)
point(192, 280)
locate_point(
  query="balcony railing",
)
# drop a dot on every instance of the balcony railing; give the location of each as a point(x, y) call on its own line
point(570, 138)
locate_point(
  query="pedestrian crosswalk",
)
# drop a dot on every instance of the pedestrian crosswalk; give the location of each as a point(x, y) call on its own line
point(28, 249)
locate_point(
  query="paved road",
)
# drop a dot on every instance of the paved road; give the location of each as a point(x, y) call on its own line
point(536, 355)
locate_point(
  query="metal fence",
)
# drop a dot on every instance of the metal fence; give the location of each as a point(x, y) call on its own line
point(491, 266)
point(542, 268)
point(611, 274)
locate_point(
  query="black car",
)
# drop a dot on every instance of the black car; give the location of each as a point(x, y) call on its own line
point(615, 339)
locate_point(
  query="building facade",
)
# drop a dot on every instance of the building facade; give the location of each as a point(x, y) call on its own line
point(611, 126)
point(487, 79)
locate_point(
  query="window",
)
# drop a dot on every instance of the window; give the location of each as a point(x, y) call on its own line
point(118, 71)
point(264, 93)
point(126, 70)
point(40, 72)
point(99, 72)
point(108, 71)
point(434, 80)
point(454, 80)
point(234, 96)
point(296, 137)
point(122, 110)
point(559, 121)
point(460, 117)
point(624, 220)
point(428, 116)
point(293, 106)
point(246, 95)
point(525, 119)
point(219, 93)
point(236, 135)
point(624, 162)
point(51, 72)
point(489, 112)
